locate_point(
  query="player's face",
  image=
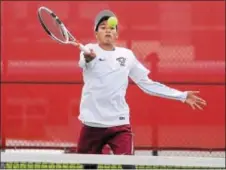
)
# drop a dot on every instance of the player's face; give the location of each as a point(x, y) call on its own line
point(105, 34)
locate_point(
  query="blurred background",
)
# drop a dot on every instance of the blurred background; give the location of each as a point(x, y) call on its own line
point(182, 43)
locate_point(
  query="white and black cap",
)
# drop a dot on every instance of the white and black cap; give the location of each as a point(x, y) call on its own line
point(102, 16)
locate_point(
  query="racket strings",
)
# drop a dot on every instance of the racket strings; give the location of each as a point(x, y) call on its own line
point(53, 26)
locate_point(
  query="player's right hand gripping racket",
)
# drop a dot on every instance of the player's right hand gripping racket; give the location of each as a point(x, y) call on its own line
point(56, 29)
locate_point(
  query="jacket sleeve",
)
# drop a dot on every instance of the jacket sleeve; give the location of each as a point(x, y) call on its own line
point(82, 62)
point(139, 74)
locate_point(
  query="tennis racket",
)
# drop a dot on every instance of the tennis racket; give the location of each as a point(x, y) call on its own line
point(55, 28)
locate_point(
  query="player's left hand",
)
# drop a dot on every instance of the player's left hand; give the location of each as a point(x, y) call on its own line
point(194, 101)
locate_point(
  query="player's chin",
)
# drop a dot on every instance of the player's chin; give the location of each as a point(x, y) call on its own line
point(108, 41)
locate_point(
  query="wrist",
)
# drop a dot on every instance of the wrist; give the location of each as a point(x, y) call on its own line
point(184, 96)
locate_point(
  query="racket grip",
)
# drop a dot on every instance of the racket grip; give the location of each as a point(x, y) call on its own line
point(84, 49)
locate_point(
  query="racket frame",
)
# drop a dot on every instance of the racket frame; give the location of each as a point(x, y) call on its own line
point(66, 33)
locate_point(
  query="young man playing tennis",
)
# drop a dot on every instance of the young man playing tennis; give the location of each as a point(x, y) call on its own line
point(104, 112)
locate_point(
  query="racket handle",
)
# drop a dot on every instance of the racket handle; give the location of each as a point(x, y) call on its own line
point(84, 49)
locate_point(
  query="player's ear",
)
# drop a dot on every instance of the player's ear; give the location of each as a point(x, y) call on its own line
point(95, 33)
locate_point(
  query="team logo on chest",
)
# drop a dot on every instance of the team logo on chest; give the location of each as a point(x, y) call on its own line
point(121, 60)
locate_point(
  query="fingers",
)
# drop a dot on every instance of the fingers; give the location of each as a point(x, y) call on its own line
point(193, 107)
point(203, 102)
point(199, 100)
point(91, 54)
point(196, 105)
point(86, 54)
point(195, 101)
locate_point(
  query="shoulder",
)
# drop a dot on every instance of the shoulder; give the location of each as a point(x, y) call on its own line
point(126, 52)
point(123, 49)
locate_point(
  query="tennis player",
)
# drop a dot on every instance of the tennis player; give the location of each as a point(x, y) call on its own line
point(104, 112)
